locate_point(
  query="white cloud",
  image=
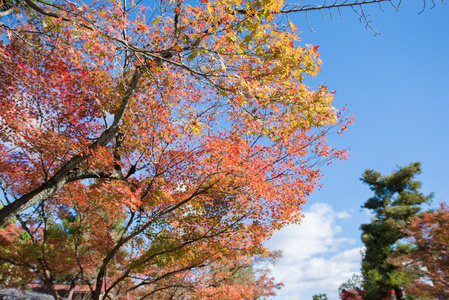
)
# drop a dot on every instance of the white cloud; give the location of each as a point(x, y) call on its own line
point(317, 258)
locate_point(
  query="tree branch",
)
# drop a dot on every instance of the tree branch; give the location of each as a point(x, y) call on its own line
point(60, 178)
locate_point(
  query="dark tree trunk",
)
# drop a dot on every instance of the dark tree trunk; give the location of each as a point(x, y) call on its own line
point(51, 287)
point(442, 295)
point(399, 293)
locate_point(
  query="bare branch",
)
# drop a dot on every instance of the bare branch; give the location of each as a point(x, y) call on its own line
point(10, 10)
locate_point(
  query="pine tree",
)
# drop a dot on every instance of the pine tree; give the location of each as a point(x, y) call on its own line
point(395, 202)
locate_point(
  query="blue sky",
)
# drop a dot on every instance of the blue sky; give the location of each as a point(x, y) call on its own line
point(397, 84)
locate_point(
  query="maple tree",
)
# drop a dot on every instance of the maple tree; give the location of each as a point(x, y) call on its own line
point(187, 123)
point(228, 280)
point(233, 50)
point(396, 202)
point(351, 289)
point(199, 95)
point(184, 122)
point(349, 295)
point(44, 253)
point(88, 244)
point(428, 257)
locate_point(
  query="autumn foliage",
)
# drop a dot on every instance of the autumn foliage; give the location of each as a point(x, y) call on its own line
point(429, 258)
point(349, 295)
point(174, 137)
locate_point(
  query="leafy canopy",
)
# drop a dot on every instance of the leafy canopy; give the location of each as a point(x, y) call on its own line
point(179, 134)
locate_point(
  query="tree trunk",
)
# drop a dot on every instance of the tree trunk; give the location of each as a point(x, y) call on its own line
point(399, 293)
point(72, 288)
point(51, 287)
point(442, 295)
